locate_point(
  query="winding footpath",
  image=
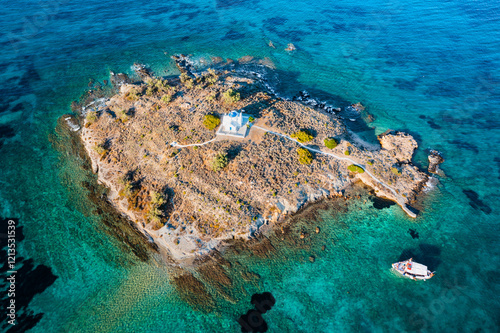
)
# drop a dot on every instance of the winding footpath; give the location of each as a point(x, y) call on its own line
point(399, 199)
point(175, 144)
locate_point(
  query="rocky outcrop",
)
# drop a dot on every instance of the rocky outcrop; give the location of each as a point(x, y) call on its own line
point(401, 145)
point(118, 79)
point(435, 159)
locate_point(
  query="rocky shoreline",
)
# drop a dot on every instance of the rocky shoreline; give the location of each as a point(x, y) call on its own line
point(173, 195)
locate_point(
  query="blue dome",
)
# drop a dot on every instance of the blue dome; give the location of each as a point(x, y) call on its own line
point(233, 114)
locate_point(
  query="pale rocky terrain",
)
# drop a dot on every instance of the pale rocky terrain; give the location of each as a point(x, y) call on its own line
point(263, 181)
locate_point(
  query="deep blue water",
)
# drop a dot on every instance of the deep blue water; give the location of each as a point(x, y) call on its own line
point(430, 68)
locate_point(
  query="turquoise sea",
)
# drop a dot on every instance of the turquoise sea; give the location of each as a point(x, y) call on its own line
point(431, 68)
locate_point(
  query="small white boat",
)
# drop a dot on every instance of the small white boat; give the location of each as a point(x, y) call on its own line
point(412, 270)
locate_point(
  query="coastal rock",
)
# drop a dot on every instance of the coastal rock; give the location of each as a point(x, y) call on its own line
point(435, 159)
point(142, 71)
point(401, 145)
point(118, 79)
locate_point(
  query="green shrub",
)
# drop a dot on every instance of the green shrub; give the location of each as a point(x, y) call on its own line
point(212, 77)
point(230, 96)
point(331, 143)
point(133, 95)
point(184, 77)
point(155, 214)
point(159, 84)
point(122, 115)
point(100, 149)
point(302, 136)
point(251, 119)
point(157, 199)
point(347, 152)
point(355, 168)
point(150, 91)
point(305, 156)
point(370, 162)
point(91, 117)
point(396, 171)
point(220, 161)
point(211, 121)
point(189, 84)
point(166, 99)
point(128, 187)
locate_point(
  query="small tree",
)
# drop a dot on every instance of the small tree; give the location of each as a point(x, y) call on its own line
point(211, 121)
point(220, 161)
point(230, 96)
point(251, 119)
point(331, 143)
point(302, 136)
point(305, 156)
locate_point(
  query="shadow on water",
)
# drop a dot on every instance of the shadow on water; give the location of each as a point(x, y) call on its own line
point(29, 280)
point(253, 321)
point(381, 203)
point(475, 202)
point(426, 254)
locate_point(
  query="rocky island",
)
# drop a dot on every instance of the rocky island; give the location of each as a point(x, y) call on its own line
point(216, 154)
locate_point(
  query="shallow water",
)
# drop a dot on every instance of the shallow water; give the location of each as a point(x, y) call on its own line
point(430, 68)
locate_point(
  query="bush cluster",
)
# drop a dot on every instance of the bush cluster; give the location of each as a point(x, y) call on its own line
point(166, 99)
point(305, 156)
point(133, 95)
point(302, 136)
point(211, 121)
point(230, 96)
point(212, 77)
